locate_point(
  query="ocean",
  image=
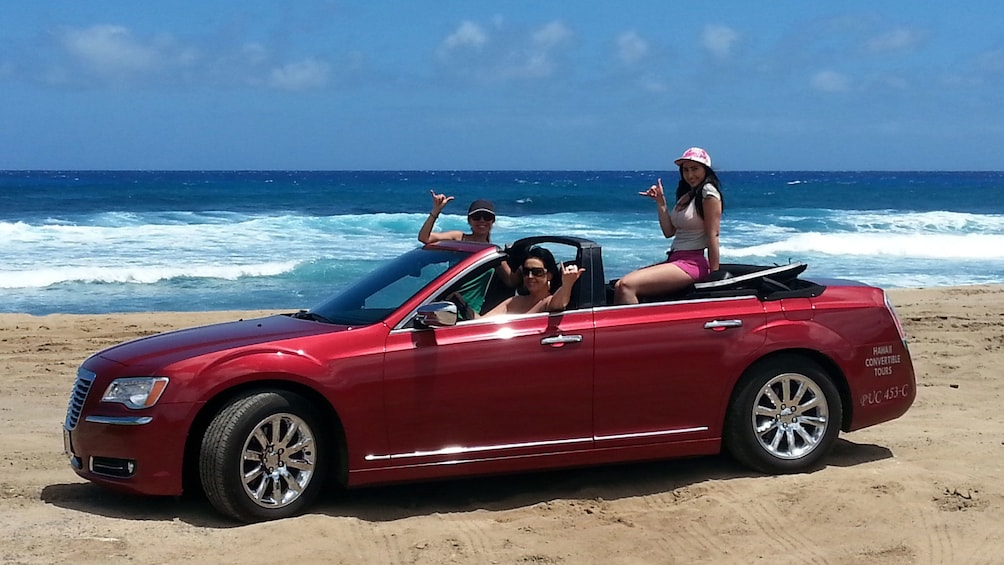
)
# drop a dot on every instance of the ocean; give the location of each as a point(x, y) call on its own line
point(146, 241)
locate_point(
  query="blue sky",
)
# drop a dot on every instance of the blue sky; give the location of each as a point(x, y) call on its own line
point(315, 84)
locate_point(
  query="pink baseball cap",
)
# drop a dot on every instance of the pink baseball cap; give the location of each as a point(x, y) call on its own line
point(695, 154)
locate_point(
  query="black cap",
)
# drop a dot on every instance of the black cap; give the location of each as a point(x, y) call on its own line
point(481, 206)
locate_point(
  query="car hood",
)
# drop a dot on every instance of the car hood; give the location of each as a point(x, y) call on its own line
point(166, 348)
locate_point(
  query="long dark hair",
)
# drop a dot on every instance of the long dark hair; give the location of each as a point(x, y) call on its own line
point(550, 265)
point(683, 188)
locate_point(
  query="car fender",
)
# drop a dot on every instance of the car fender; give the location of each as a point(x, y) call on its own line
point(206, 380)
point(816, 341)
point(345, 388)
point(809, 335)
point(811, 339)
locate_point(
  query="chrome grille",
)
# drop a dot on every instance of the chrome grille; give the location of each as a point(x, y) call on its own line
point(81, 387)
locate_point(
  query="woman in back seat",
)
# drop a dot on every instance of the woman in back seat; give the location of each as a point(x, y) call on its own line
point(693, 223)
point(481, 218)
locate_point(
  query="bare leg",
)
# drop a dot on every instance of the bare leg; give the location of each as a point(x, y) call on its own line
point(657, 279)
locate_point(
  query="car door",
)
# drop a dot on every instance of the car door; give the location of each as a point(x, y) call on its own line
point(489, 388)
point(663, 370)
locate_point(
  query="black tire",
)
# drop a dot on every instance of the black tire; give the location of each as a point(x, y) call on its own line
point(784, 417)
point(283, 434)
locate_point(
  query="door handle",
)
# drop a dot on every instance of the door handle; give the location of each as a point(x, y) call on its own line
point(722, 325)
point(561, 339)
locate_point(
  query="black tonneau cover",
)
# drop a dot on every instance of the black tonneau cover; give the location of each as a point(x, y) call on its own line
point(735, 276)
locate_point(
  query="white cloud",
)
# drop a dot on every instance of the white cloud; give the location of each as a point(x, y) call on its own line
point(719, 40)
point(653, 84)
point(552, 34)
point(901, 39)
point(527, 65)
point(538, 60)
point(254, 53)
point(991, 61)
point(302, 75)
point(896, 82)
point(110, 50)
point(962, 81)
point(830, 81)
point(115, 55)
point(631, 48)
point(467, 34)
point(504, 54)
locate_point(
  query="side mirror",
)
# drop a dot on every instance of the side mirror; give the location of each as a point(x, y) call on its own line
point(437, 315)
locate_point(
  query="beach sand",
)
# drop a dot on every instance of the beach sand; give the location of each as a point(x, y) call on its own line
point(926, 488)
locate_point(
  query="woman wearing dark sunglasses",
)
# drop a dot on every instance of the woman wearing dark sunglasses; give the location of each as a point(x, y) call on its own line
point(480, 216)
point(549, 287)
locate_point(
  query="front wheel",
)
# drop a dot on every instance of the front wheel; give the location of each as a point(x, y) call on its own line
point(785, 416)
point(262, 457)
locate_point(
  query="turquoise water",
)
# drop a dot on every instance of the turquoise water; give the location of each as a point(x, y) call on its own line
point(114, 241)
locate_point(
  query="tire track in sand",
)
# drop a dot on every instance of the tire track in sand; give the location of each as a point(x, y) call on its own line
point(692, 538)
point(769, 518)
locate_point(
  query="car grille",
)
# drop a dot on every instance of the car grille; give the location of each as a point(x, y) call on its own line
point(81, 387)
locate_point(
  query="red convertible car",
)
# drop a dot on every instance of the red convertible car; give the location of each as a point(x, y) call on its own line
point(386, 382)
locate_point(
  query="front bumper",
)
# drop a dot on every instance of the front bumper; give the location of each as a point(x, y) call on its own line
point(142, 454)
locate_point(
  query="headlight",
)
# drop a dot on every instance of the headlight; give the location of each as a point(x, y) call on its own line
point(135, 392)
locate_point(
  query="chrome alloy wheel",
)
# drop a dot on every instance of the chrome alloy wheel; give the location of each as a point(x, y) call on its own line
point(278, 460)
point(790, 416)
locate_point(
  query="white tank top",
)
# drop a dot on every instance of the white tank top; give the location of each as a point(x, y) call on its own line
point(690, 232)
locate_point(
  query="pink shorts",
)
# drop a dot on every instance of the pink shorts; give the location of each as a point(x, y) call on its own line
point(694, 263)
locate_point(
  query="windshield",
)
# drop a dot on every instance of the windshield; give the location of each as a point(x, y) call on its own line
point(384, 290)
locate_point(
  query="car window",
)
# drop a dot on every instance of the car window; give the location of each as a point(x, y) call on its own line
point(480, 290)
point(397, 291)
point(385, 289)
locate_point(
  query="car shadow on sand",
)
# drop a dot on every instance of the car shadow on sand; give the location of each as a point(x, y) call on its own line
point(493, 493)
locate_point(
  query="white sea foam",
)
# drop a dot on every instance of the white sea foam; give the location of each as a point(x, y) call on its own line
point(137, 274)
point(150, 248)
point(912, 222)
point(958, 247)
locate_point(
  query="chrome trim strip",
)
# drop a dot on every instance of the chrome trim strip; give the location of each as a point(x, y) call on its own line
point(651, 434)
point(458, 450)
point(119, 420)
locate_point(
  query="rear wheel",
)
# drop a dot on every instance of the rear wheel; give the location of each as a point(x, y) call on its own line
point(262, 457)
point(785, 416)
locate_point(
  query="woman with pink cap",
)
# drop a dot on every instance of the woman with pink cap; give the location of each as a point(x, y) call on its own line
point(693, 222)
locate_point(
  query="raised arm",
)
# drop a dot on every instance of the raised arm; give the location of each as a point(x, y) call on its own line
point(426, 235)
point(655, 192)
point(561, 297)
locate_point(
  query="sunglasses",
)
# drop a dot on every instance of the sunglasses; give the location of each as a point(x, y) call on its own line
point(534, 271)
point(482, 217)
